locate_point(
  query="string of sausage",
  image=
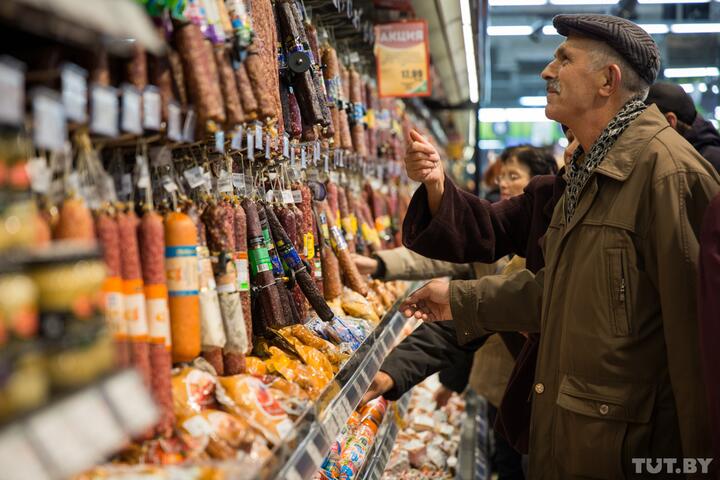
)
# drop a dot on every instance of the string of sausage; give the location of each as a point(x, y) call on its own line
point(278, 271)
point(354, 280)
point(287, 220)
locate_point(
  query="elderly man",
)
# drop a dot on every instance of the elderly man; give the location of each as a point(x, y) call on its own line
point(618, 377)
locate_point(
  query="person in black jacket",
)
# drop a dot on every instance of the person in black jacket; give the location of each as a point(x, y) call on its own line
point(679, 110)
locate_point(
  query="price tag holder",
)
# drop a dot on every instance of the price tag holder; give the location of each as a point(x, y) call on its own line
point(12, 91)
point(194, 176)
point(74, 92)
point(105, 111)
point(152, 108)
point(174, 124)
point(50, 129)
point(131, 105)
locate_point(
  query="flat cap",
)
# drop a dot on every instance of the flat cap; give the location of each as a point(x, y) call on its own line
point(670, 97)
point(632, 42)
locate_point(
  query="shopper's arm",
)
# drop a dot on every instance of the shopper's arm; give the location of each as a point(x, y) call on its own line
point(679, 201)
point(403, 264)
point(428, 350)
point(497, 303)
point(456, 377)
point(469, 229)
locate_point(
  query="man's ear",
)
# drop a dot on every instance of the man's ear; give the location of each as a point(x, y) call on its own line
point(672, 119)
point(611, 80)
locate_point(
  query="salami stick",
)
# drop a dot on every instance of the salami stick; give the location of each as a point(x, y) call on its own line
point(266, 78)
point(152, 252)
point(287, 220)
point(261, 272)
point(292, 260)
point(109, 237)
point(354, 280)
point(162, 77)
point(243, 268)
point(228, 85)
point(346, 219)
point(278, 271)
point(332, 281)
point(247, 97)
point(137, 68)
point(133, 295)
point(358, 129)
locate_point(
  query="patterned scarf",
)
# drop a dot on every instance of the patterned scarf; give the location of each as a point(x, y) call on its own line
point(579, 174)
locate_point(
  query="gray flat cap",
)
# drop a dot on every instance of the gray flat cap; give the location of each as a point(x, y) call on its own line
point(632, 42)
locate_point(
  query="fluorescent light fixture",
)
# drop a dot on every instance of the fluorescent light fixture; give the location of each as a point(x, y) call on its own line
point(501, 115)
point(584, 2)
point(533, 101)
point(505, 30)
point(516, 3)
point(717, 113)
point(651, 2)
point(702, 87)
point(688, 87)
point(695, 28)
point(491, 145)
point(655, 28)
point(691, 72)
point(715, 89)
point(470, 62)
point(550, 30)
point(465, 12)
point(563, 142)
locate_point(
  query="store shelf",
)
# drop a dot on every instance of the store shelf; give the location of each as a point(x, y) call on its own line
point(320, 425)
point(474, 446)
point(378, 456)
point(78, 430)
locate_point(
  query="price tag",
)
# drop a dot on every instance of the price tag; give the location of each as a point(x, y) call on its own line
point(297, 196)
point(225, 182)
point(74, 92)
point(303, 157)
point(144, 172)
point(236, 141)
point(131, 104)
point(174, 126)
point(258, 136)
point(326, 163)
point(220, 141)
point(152, 108)
point(188, 132)
point(354, 57)
point(316, 152)
point(269, 196)
point(251, 146)
point(207, 180)
point(286, 145)
point(19, 459)
point(169, 184)
point(194, 176)
point(126, 187)
point(292, 157)
point(267, 147)
point(40, 174)
point(12, 91)
point(131, 402)
point(238, 181)
point(287, 197)
point(50, 130)
point(104, 106)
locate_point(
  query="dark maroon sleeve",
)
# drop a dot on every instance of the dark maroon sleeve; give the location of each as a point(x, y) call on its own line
point(467, 228)
point(709, 312)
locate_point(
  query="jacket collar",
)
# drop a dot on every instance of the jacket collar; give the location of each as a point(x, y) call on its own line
point(620, 160)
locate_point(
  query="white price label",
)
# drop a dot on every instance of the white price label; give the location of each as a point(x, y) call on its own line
point(93, 420)
point(131, 104)
point(194, 176)
point(189, 126)
point(297, 196)
point(220, 141)
point(40, 174)
point(74, 92)
point(238, 180)
point(144, 172)
point(169, 184)
point(131, 402)
point(18, 458)
point(104, 106)
point(225, 182)
point(251, 146)
point(316, 152)
point(174, 126)
point(286, 145)
point(126, 187)
point(236, 141)
point(258, 136)
point(50, 130)
point(267, 147)
point(12, 91)
point(269, 196)
point(287, 197)
point(152, 108)
point(303, 157)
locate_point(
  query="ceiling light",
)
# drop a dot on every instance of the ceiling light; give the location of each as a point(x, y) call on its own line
point(584, 2)
point(702, 87)
point(502, 30)
point(695, 28)
point(539, 101)
point(650, 2)
point(516, 3)
point(715, 89)
point(501, 115)
point(717, 113)
point(465, 12)
point(550, 30)
point(491, 145)
point(563, 142)
point(469, 42)
point(655, 28)
point(688, 87)
point(691, 72)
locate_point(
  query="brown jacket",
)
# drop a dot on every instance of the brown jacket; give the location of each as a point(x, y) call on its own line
point(404, 264)
point(618, 373)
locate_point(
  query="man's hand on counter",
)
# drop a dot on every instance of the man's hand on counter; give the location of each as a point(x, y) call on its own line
point(382, 383)
point(430, 303)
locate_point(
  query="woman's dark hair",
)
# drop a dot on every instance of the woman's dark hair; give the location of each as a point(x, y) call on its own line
point(539, 161)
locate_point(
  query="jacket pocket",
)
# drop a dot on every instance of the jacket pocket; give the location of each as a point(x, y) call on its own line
point(591, 423)
point(619, 294)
